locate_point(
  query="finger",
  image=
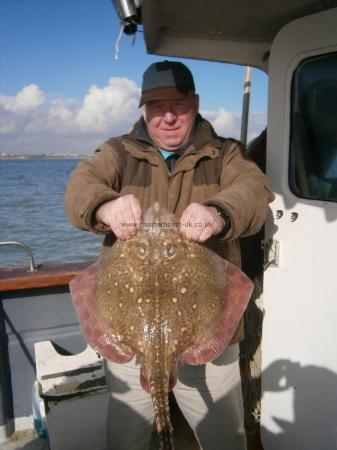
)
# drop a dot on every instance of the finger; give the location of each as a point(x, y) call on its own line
point(193, 229)
point(217, 228)
point(205, 234)
point(129, 229)
point(186, 226)
point(137, 212)
point(129, 216)
point(122, 224)
point(118, 229)
point(133, 219)
point(199, 232)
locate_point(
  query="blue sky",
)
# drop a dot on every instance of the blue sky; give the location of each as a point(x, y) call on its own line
point(62, 90)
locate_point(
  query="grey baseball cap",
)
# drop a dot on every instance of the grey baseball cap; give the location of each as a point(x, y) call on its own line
point(166, 80)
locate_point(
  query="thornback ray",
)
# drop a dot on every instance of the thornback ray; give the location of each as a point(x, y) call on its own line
point(162, 299)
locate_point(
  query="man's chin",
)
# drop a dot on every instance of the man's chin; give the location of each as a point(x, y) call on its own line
point(172, 144)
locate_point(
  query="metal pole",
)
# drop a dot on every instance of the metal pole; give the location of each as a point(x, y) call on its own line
point(245, 105)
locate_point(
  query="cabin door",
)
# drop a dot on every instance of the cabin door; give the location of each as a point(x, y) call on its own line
point(299, 356)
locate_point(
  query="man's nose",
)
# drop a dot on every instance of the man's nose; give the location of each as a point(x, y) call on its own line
point(170, 116)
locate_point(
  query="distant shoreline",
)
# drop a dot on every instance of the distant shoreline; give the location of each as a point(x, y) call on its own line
point(42, 156)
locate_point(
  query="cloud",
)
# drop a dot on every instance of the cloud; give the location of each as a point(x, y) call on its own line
point(228, 124)
point(103, 110)
point(224, 122)
point(7, 125)
point(28, 99)
point(35, 122)
point(110, 106)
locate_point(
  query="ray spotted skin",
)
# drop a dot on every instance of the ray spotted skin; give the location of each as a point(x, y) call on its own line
point(159, 296)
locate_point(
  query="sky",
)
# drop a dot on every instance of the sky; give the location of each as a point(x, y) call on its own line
point(63, 91)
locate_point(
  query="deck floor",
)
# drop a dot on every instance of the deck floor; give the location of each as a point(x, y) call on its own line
point(25, 440)
point(183, 436)
point(28, 440)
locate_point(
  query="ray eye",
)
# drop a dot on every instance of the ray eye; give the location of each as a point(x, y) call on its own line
point(142, 250)
point(171, 251)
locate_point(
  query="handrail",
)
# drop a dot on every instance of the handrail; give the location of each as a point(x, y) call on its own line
point(32, 266)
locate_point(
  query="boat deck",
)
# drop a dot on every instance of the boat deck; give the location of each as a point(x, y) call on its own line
point(25, 440)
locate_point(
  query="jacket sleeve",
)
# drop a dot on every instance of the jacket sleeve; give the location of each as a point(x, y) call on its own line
point(245, 192)
point(93, 182)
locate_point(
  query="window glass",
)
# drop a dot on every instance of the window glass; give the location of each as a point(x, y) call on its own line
point(313, 146)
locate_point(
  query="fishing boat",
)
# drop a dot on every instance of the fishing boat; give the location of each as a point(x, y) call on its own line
point(289, 373)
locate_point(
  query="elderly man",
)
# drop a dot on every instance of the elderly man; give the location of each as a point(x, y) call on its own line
point(174, 156)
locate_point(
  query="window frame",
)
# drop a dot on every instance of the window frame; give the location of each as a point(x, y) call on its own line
point(298, 179)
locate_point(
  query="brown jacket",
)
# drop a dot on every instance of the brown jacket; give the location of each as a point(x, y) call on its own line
point(212, 171)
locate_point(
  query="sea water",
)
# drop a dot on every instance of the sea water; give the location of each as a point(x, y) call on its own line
point(32, 212)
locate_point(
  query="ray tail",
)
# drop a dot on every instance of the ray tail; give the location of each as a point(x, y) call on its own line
point(159, 393)
point(158, 379)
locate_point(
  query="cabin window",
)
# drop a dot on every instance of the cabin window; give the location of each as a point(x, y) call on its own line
point(313, 144)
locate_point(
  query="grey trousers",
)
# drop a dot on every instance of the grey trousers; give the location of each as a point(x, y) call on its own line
point(209, 397)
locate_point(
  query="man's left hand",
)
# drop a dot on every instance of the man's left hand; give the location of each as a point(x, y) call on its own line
point(199, 222)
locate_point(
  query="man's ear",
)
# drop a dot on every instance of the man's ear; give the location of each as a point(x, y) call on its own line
point(143, 111)
point(196, 99)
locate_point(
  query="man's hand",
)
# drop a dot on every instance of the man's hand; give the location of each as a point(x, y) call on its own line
point(199, 222)
point(122, 215)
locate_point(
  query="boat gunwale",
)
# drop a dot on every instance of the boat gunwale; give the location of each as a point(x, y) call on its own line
point(47, 275)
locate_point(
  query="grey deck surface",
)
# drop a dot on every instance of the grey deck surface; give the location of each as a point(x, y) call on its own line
point(25, 440)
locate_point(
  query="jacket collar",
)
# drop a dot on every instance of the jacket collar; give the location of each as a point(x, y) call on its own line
point(204, 143)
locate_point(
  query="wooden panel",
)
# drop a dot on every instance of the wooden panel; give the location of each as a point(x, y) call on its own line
point(12, 279)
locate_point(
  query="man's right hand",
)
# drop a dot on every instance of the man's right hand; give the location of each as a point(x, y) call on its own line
point(122, 215)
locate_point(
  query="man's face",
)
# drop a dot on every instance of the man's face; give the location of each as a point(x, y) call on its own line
point(170, 122)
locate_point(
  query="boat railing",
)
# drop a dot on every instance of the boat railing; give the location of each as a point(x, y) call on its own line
point(25, 248)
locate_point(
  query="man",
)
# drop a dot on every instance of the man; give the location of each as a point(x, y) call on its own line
point(174, 156)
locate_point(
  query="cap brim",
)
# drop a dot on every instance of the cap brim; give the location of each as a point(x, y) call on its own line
point(163, 93)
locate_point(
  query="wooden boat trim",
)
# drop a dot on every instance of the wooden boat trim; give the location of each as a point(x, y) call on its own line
point(13, 279)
